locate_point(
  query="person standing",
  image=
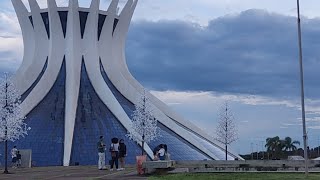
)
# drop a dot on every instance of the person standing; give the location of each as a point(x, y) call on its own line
point(14, 151)
point(114, 151)
point(122, 153)
point(18, 162)
point(101, 153)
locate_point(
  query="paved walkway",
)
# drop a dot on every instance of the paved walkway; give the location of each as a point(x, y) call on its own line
point(70, 173)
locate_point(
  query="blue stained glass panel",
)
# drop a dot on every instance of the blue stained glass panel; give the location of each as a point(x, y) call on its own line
point(93, 120)
point(46, 136)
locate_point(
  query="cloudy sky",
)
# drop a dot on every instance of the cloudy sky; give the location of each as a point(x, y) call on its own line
point(196, 54)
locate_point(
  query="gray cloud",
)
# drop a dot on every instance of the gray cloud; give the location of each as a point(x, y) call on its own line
point(254, 52)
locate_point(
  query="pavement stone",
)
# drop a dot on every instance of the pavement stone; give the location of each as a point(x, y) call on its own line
point(70, 173)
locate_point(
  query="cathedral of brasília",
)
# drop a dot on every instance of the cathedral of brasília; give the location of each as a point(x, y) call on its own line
point(76, 86)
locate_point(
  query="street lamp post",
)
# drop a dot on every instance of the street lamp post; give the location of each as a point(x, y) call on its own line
point(251, 151)
point(318, 146)
point(302, 91)
point(257, 151)
point(6, 131)
point(262, 149)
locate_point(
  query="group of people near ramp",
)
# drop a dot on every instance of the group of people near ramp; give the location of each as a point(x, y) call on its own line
point(117, 150)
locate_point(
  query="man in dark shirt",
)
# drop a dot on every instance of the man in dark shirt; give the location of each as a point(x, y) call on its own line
point(122, 153)
point(18, 159)
point(101, 153)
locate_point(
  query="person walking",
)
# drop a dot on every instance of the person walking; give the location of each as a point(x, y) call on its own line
point(101, 153)
point(122, 154)
point(114, 151)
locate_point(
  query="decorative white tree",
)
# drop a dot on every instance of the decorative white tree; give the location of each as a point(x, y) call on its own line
point(144, 125)
point(226, 130)
point(12, 125)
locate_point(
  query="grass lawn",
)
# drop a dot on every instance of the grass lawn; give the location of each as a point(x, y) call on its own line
point(237, 176)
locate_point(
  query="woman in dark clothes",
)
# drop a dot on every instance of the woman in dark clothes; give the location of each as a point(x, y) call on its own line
point(122, 153)
point(114, 150)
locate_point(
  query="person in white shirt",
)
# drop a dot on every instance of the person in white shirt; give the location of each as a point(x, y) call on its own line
point(161, 153)
point(101, 153)
point(114, 150)
point(14, 151)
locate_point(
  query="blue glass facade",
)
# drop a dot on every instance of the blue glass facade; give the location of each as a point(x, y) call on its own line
point(95, 119)
point(218, 152)
point(63, 19)
point(45, 19)
point(83, 19)
point(178, 148)
point(46, 136)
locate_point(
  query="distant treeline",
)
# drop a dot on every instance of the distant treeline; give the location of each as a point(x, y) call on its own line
point(277, 148)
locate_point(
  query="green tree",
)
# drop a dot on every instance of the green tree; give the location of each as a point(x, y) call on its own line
point(278, 147)
point(289, 144)
point(275, 146)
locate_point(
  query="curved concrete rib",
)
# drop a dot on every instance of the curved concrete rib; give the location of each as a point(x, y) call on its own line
point(107, 28)
point(28, 35)
point(107, 48)
point(112, 9)
point(55, 59)
point(92, 63)
point(120, 35)
point(73, 64)
point(41, 46)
